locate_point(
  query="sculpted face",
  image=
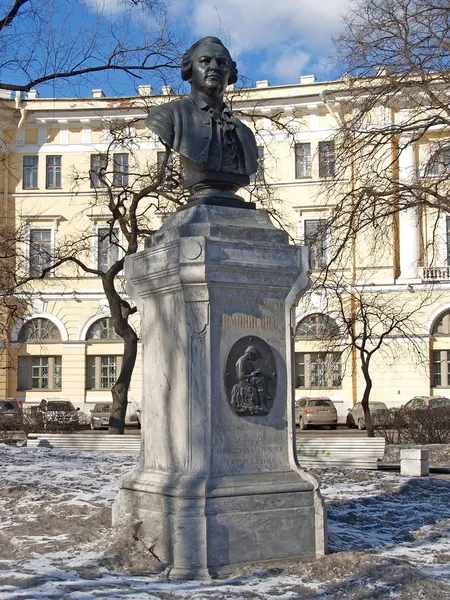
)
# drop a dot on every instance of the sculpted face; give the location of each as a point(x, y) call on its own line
point(210, 69)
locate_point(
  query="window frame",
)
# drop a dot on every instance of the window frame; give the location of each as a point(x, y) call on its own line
point(297, 147)
point(168, 179)
point(96, 377)
point(327, 159)
point(54, 372)
point(440, 377)
point(318, 261)
point(94, 174)
point(438, 166)
point(109, 328)
point(97, 241)
point(260, 171)
point(33, 340)
point(120, 171)
point(33, 173)
point(29, 245)
point(56, 171)
point(307, 360)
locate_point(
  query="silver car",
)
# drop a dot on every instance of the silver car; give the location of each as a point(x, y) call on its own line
point(355, 416)
point(315, 411)
point(100, 415)
point(428, 402)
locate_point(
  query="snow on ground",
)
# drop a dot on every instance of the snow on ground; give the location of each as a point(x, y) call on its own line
point(389, 538)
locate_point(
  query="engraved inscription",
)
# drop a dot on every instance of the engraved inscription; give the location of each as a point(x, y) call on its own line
point(247, 446)
point(249, 322)
point(246, 302)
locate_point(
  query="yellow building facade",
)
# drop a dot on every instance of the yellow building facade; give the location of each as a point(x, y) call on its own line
point(64, 345)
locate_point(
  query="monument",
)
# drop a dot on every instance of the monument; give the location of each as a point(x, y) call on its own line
point(218, 485)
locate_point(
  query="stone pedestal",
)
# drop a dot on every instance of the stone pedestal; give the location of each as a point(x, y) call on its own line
point(414, 462)
point(218, 485)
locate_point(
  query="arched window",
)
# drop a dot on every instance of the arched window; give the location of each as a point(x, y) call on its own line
point(316, 327)
point(442, 325)
point(102, 330)
point(37, 330)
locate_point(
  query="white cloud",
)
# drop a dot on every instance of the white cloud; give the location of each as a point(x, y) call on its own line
point(288, 65)
point(289, 31)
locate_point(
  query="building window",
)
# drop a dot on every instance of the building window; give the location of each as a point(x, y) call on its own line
point(440, 368)
point(107, 247)
point(169, 179)
point(315, 236)
point(37, 330)
point(39, 373)
point(259, 175)
point(53, 172)
point(317, 327)
point(99, 164)
point(40, 251)
point(318, 370)
point(302, 160)
point(102, 330)
point(326, 159)
point(120, 175)
point(440, 163)
point(30, 172)
point(102, 372)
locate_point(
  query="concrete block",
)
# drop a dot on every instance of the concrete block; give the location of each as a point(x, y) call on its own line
point(414, 462)
point(414, 454)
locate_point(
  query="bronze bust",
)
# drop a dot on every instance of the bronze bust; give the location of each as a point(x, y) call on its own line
point(218, 152)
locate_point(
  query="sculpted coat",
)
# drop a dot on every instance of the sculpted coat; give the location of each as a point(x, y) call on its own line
point(188, 129)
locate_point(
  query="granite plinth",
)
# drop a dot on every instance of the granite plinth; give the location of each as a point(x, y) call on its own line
point(218, 485)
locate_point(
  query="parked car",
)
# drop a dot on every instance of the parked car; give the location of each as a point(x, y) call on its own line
point(10, 413)
point(355, 416)
point(58, 412)
point(428, 402)
point(315, 411)
point(100, 415)
point(102, 411)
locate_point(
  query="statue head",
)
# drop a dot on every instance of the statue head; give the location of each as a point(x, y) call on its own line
point(253, 353)
point(192, 65)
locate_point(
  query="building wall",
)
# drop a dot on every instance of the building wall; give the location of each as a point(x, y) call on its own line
point(75, 129)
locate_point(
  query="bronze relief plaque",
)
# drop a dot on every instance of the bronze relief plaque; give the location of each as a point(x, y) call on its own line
point(250, 377)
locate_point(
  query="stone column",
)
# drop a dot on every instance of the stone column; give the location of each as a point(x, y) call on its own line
point(408, 219)
point(218, 485)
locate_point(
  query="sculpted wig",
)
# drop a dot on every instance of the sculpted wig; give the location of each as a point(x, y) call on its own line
point(186, 61)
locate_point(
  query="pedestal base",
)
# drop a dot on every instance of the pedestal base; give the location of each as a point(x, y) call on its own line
point(208, 528)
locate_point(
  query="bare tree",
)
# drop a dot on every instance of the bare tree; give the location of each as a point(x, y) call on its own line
point(67, 41)
point(391, 106)
point(367, 322)
point(128, 196)
point(391, 110)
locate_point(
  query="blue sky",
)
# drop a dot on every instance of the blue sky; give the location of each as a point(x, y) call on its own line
point(278, 40)
point(271, 39)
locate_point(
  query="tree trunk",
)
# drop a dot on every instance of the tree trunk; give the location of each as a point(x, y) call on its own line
point(365, 400)
point(120, 389)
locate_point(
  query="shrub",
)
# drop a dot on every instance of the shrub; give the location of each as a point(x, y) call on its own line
point(420, 426)
point(32, 420)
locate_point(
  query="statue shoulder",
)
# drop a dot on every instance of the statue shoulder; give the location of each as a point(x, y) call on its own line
point(163, 118)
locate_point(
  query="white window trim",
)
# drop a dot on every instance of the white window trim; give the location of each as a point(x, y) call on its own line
point(44, 222)
point(313, 214)
point(102, 224)
point(40, 315)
